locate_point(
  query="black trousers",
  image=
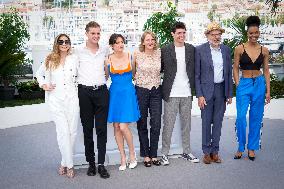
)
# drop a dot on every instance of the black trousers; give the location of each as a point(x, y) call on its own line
point(149, 100)
point(94, 104)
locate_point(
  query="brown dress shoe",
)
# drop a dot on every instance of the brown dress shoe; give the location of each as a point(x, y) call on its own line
point(215, 158)
point(206, 159)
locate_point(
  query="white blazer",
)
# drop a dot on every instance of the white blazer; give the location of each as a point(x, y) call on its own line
point(64, 77)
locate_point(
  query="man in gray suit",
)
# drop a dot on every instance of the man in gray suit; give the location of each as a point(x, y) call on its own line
point(214, 86)
point(178, 82)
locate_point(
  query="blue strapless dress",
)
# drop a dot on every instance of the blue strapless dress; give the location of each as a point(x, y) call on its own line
point(123, 103)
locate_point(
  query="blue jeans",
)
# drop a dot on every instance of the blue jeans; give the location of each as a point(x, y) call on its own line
point(250, 92)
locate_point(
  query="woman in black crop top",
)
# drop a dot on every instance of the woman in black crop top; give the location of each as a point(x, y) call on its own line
point(253, 88)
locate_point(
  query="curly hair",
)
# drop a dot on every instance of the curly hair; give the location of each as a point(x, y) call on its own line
point(141, 46)
point(52, 61)
point(253, 21)
point(114, 37)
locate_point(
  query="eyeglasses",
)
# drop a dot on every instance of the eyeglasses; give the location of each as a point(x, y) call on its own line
point(216, 34)
point(61, 42)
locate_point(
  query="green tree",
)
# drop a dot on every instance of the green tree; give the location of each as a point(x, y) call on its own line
point(276, 87)
point(106, 2)
point(212, 13)
point(47, 4)
point(280, 19)
point(57, 3)
point(238, 24)
point(162, 23)
point(274, 4)
point(13, 35)
point(47, 21)
point(67, 4)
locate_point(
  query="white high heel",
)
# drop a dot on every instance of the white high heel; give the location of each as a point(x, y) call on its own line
point(133, 164)
point(122, 167)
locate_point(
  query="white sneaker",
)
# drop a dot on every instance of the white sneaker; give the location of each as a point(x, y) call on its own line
point(133, 164)
point(190, 157)
point(165, 160)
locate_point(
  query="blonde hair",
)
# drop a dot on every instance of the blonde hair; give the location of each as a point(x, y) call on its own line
point(141, 46)
point(52, 61)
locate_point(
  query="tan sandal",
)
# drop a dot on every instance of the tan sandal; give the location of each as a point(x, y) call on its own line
point(70, 173)
point(62, 170)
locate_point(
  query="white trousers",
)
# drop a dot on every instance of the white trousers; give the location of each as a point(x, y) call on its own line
point(65, 114)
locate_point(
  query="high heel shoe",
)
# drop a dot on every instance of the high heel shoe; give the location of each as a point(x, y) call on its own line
point(252, 158)
point(147, 163)
point(237, 156)
point(70, 173)
point(122, 167)
point(133, 164)
point(62, 170)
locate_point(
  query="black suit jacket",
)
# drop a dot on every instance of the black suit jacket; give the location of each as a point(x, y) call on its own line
point(169, 67)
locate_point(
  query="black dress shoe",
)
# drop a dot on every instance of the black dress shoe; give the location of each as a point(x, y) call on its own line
point(103, 172)
point(92, 169)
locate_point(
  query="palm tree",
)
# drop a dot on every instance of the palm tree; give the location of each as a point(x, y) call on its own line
point(239, 25)
point(61, 3)
point(273, 4)
point(47, 4)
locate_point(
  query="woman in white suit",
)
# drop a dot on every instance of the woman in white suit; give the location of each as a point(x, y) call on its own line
point(57, 76)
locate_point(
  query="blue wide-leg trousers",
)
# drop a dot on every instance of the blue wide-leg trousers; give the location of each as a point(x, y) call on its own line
point(250, 93)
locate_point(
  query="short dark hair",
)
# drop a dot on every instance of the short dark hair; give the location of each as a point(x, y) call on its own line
point(113, 38)
point(178, 25)
point(92, 24)
point(253, 21)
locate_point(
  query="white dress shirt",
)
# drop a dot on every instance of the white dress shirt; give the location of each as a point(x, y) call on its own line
point(181, 86)
point(64, 77)
point(91, 66)
point(217, 64)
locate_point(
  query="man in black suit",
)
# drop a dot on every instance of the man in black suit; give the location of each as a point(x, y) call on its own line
point(178, 83)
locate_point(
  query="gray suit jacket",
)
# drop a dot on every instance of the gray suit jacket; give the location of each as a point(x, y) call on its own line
point(204, 71)
point(169, 67)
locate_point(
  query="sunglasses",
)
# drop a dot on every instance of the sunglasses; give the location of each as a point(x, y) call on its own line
point(61, 42)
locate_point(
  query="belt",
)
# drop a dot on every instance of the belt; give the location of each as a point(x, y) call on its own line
point(219, 83)
point(94, 87)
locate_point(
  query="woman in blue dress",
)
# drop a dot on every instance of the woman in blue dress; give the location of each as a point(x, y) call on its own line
point(123, 104)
